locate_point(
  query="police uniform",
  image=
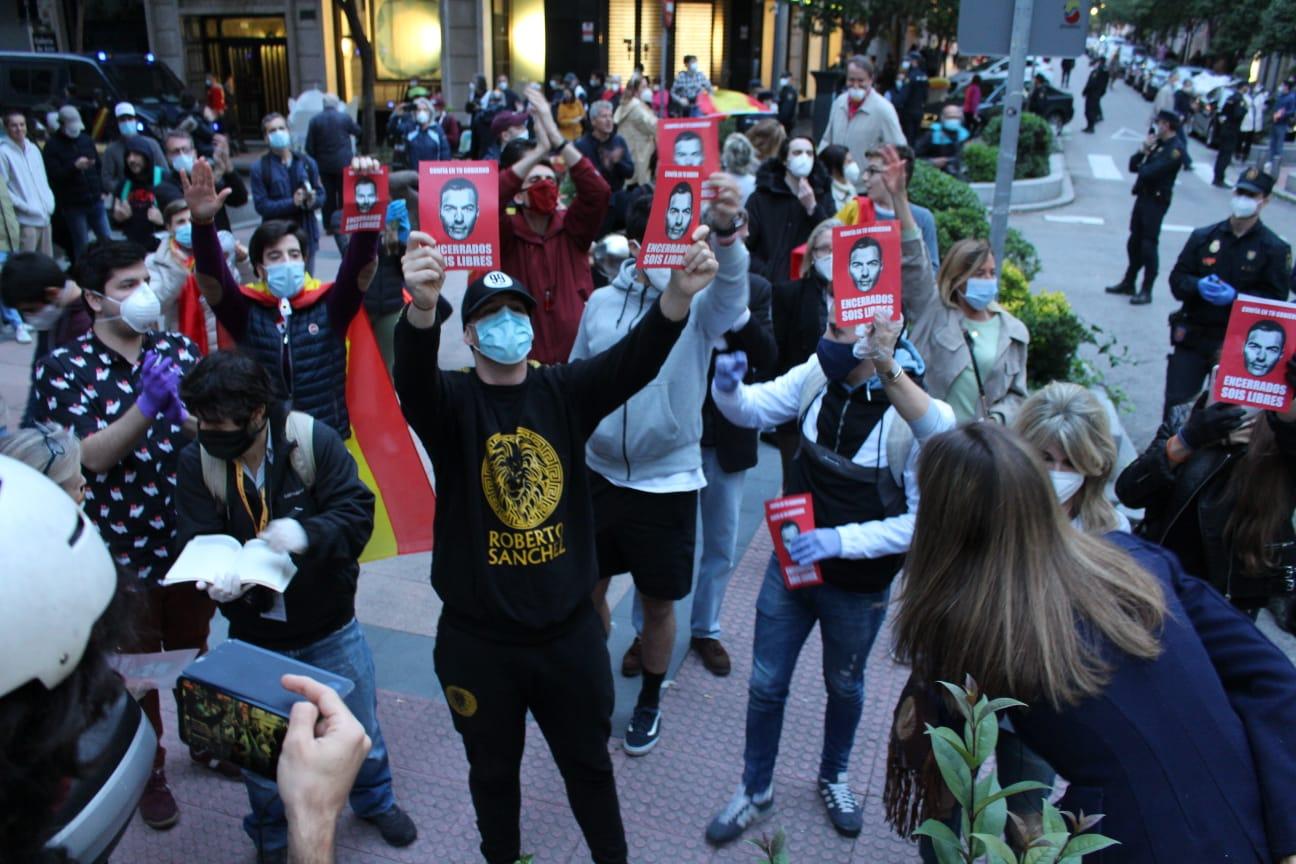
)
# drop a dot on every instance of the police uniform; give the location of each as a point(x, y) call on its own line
point(1258, 263)
point(1228, 133)
point(1157, 169)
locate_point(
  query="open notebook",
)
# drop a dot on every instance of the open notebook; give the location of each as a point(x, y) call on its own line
point(209, 554)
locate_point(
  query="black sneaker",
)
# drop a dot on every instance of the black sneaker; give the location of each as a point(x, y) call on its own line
point(644, 730)
point(395, 826)
point(742, 812)
point(844, 811)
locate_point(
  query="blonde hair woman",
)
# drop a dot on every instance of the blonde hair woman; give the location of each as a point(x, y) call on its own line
point(1068, 426)
point(1162, 706)
point(767, 136)
point(637, 124)
point(738, 159)
point(52, 450)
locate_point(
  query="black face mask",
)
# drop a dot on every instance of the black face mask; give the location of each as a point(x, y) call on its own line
point(228, 444)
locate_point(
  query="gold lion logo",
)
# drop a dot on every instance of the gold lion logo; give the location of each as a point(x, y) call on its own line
point(521, 478)
point(461, 701)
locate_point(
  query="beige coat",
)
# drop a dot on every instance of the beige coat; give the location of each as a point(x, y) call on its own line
point(937, 331)
point(874, 124)
point(638, 126)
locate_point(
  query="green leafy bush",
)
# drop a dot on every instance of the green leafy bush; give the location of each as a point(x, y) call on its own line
point(1034, 144)
point(1056, 331)
point(959, 223)
point(980, 161)
point(1022, 252)
point(934, 189)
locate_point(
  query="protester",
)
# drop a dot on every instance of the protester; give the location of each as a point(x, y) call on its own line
point(1240, 255)
point(292, 323)
point(426, 141)
point(1283, 116)
point(861, 119)
point(638, 126)
point(883, 207)
point(323, 517)
point(116, 387)
point(689, 85)
point(789, 101)
point(49, 302)
point(181, 154)
point(942, 144)
point(114, 155)
point(546, 247)
point(1165, 96)
point(646, 459)
point(75, 177)
point(862, 420)
point(505, 127)
point(286, 185)
point(609, 153)
point(1094, 89)
point(22, 167)
point(738, 160)
point(972, 104)
point(502, 649)
point(1068, 427)
point(53, 451)
point(799, 310)
point(328, 142)
point(1254, 100)
point(135, 207)
point(844, 171)
point(767, 137)
point(793, 194)
point(1104, 639)
point(570, 114)
point(385, 296)
point(911, 103)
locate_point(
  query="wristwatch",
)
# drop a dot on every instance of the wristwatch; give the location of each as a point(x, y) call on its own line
point(722, 233)
point(557, 149)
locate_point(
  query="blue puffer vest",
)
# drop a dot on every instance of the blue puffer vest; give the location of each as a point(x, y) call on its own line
point(308, 365)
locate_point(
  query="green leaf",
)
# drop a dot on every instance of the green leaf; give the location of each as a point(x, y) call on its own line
point(992, 818)
point(997, 850)
point(1046, 849)
point(955, 741)
point(954, 769)
point(948, 848)
point(1085, 844)
point(1005, 703)
point(1053, 823)
point(985, 737)
point(1014, 789)
point(960, 699)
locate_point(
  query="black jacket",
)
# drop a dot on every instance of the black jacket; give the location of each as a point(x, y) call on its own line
point(71, 185)
point(1188, 507)
point(735, 446)
point(328, 140)
point(386, 291)
point(1096, 84)
point(800, 313)
point(1157, 169)
point(337, 513)
point(1259, 263)
point(778, 222)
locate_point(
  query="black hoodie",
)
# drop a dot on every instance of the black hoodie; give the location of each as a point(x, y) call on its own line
point(139, 190)
point(779, 222)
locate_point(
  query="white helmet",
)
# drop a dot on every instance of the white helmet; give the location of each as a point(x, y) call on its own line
point(57, 579)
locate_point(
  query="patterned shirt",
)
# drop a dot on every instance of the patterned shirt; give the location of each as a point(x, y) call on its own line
point(688, 84)
point(86, 386)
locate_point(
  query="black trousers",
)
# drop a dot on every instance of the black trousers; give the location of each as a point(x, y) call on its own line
point(332, 198)
point(566, 683)
point(1093, 111)
point(1186, 371)
point(1227, 147)
point(1145, 234)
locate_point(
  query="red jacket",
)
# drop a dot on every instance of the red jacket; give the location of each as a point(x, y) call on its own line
point(555, 266)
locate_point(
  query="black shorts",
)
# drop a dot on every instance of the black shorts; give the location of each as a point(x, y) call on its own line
point(651, 535)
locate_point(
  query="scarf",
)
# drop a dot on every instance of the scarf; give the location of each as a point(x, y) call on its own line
point(915, 790)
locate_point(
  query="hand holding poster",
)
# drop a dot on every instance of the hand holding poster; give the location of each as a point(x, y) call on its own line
point(364, 200)
point(675, 216)
point(459, 207)
point(1261, 338)
point(690, 142)
point(787, 518)
point(866, 273)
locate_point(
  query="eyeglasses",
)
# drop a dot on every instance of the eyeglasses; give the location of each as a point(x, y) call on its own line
point(871, 171)
point(54, 447)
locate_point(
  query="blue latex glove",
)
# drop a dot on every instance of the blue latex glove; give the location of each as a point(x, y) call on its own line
point(729, 371)
point(815, 546)
point(158, 379)
point(1216, 291)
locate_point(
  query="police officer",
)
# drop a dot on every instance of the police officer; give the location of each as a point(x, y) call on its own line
point(1157, 164)
point(1237, 256)
point(1228, 133)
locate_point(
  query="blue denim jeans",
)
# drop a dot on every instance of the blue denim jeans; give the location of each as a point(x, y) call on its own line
point(1277, 140)
point(720, 501)
point(848, 623)
point(81, 220)
point(344, 652)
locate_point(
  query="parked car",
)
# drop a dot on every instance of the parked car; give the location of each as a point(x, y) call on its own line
point(1162, 74)
point(1059, 106)
point(993, 72)
point(38, 82)
point(1132, 69)
point(1205, 122)
point(1140, 71)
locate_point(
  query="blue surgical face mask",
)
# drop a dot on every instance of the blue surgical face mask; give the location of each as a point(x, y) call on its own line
point(183, 162)
point(837, 359)
point(279, 139)
point(980, 293)
point(952, 124)
point(285, 280)
point(128, 128)
point(504, 336)
point(183, 235)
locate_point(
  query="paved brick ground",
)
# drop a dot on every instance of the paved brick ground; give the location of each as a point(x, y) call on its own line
point(667, 797)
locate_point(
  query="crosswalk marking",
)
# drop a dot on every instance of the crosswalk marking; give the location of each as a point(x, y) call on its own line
point(1178, 229)
point(1126, 134)
point(1074, 220)
point(1104, 167)
point(1204, 171)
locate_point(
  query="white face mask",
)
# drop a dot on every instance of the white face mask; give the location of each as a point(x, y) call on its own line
point(801, 165)
point(43, 320)
point(423, 118)
point(857, 94)
point(658, 277)
point(823, 266)
point(1244, 207)
point(851, 172)
point(1066, 484)
point(140, 310)
point(646, 95)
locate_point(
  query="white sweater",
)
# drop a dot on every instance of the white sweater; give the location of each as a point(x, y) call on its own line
point(24, 173)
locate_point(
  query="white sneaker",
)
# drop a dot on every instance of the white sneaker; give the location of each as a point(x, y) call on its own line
point(742, 812)
point(22, 334)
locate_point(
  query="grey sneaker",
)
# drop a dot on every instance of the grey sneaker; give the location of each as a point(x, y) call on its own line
point(742, 812)
point(844, 809)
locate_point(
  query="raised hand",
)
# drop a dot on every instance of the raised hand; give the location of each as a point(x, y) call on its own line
point(729, 371)
point(200, 192)
point(727, 202)
point(365, 165)
point(893, 175)
point(880, 338)
point(424, 269)
point(700, 266)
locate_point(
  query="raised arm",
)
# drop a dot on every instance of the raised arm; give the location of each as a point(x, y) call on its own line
point(723, 302)
point(416, 375)
point(917, 282)
point(218, 287)
point(358, 264)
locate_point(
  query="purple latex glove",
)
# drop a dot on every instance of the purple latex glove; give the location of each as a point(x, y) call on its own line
point(156, 385)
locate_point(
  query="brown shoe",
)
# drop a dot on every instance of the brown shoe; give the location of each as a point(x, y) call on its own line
point(632, 662)
point(157, 806)
point(713, 655)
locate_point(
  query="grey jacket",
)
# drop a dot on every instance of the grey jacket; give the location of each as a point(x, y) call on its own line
point(937, 330)
point(658, 433)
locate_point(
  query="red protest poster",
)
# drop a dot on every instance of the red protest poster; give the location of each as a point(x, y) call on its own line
point(787, 518)
point(1261, 338)
point(866, 273)
point(690, 142)
point(459, 207)
point(364, 200)
point(676, 212)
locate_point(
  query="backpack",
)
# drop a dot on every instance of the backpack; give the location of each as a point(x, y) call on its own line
point(299, 429)
point(899, 437)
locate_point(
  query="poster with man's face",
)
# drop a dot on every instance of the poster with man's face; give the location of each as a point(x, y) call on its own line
point(459, 207)
point(1260, 339)
point(866, 273)
point(788, 518)
point(364, 200)
point(690, 142)
point(676, 213)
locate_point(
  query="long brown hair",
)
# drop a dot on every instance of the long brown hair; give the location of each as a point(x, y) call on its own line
point(962, 260)
point(998, 584)
point(1261, 492)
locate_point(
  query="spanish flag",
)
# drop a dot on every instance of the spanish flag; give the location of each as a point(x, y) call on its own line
point(729, 102)
point(384, 452)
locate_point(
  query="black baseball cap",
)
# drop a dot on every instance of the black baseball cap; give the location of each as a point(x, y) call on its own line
point(1255, 181)
point(1169, 117)
point(483, 289)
